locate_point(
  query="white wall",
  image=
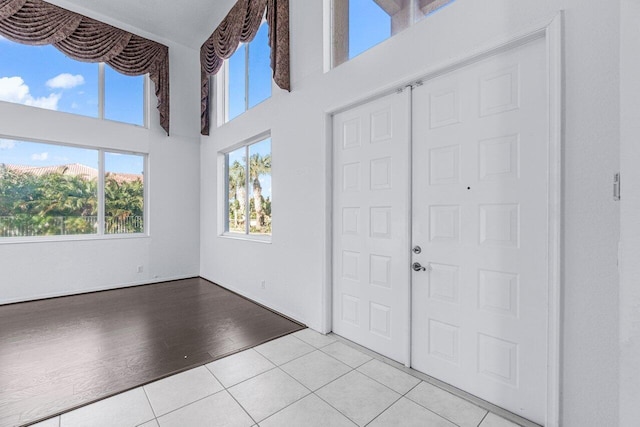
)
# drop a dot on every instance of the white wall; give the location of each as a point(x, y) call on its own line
point(630, 212)
point(42, 269)
point(294, 264)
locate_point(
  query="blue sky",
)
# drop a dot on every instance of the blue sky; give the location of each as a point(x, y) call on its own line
point(368, 26)
point(42, 76)
point(259, 72)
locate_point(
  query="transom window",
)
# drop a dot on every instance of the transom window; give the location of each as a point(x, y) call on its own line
point(57, 190)
point(247, 75)
point(249, 189)
point(358, 25)
point(42, 76)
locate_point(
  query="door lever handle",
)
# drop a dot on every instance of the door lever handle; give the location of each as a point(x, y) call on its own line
point(416, 266)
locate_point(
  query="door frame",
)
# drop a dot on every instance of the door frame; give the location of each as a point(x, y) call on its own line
point(551, 30)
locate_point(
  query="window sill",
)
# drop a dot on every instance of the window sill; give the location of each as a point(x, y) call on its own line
point(75, 238)
point(247, 237)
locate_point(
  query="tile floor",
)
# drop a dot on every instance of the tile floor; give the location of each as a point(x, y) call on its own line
point(303, 379)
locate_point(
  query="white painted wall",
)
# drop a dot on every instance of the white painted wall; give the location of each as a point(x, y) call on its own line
point(294, 264)
point(43, 269)
point(630, 212)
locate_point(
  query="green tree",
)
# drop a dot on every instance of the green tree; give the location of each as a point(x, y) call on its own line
point(123, 200)
point(57, 203)
point(237, 195)
point(258, 166)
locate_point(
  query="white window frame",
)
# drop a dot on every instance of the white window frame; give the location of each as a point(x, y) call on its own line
point(222, 86)
point(337, 36)
point(100, 234)
point(101, 98)
point(223, 178)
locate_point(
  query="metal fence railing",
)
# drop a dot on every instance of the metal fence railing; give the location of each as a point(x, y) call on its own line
point(32, 226)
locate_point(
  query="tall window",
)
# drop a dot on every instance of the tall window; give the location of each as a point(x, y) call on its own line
point(248, 188)
point(358, 25)
point(56, 190)
point(248, 75)
point(42, 76)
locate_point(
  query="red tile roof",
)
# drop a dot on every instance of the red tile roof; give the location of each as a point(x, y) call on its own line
point(73, 169)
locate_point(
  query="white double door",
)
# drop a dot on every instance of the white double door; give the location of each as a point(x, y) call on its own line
point(459, 167)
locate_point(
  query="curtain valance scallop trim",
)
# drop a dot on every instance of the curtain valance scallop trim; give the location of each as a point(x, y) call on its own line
point(36, 22)
point(240, 26)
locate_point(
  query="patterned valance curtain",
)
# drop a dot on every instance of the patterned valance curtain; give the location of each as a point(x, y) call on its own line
point(240, 26)
point(36, 22)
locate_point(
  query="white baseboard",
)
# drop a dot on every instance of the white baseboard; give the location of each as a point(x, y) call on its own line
point(260, 301)
point(96, 289)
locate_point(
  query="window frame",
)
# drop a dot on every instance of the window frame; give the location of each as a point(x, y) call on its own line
point(146, 90)
point(224, 200)
point(337, 35)
point(101, 214)
point(221, 85)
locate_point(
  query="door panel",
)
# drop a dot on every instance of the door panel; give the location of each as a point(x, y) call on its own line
point(371, 225)
point(480, 214)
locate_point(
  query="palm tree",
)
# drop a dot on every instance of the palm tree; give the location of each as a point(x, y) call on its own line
point(258, 165)
point(237, 192)
point(123, 200)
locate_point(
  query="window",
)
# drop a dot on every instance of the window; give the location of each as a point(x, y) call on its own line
point(248, 188)
point(56, 190)
point(358, 25)
point(42, 76)
point(248, 75)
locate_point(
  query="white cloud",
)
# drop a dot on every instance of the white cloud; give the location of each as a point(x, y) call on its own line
point(65, 81)
point(13, 89)
point(7, 144)
point(40, 156)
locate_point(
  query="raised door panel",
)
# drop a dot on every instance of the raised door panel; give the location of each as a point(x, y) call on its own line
point(371, 225)
point(480, 198)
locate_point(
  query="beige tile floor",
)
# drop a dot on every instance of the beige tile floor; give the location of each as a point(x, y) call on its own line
point(303, 379)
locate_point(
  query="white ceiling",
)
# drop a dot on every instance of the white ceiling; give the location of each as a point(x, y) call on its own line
point(188, 22)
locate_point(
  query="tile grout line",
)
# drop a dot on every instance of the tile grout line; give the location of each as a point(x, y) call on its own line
point(155, 417)
point(461, 394)
point(352, 369)
point(356, 369)
point(232, 396)
point(329, 403)
point(314, 392)
point(386, 409)
point(483, 418)
point(248, 379)
point(292, 403)
point(429, 409)
point(242, 407)
point(295, 358)
point(311, 344)
point(185, 405)
point(190, 403)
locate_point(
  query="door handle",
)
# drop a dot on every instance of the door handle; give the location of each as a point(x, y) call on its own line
point(418, 267)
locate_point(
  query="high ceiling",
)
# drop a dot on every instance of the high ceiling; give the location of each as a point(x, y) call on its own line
point(188, 22)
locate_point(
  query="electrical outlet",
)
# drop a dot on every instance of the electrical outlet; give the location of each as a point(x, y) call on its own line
point(263, 284)
point(140, 269)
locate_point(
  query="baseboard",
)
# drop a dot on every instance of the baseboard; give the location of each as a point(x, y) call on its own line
point(274, 307)
point(96, 289)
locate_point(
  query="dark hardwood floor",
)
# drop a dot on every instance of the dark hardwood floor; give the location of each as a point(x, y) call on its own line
point(62, 353)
